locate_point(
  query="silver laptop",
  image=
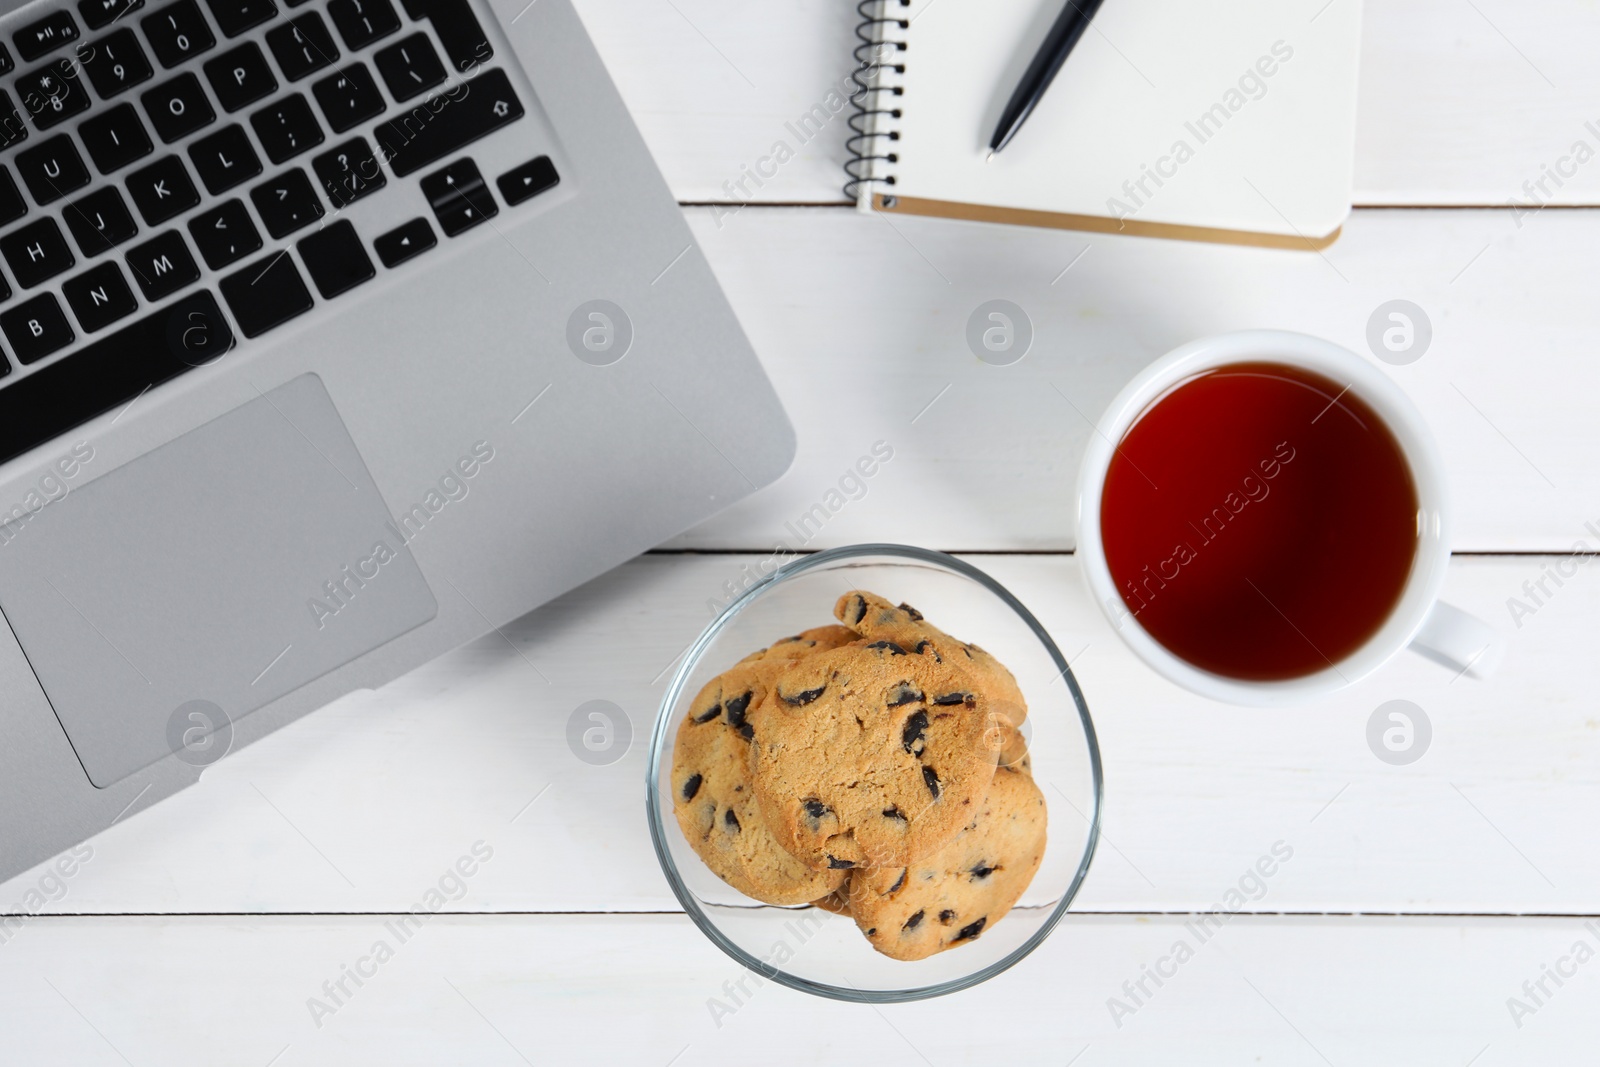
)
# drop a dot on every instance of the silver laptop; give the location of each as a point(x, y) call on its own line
point(336, 333)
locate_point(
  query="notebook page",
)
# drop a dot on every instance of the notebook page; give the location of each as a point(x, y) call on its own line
point(1235, 114)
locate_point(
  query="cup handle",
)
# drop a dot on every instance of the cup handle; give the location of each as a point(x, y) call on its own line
point(1459, 641)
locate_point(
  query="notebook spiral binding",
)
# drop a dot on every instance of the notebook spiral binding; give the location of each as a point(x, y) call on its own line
point(879, 67)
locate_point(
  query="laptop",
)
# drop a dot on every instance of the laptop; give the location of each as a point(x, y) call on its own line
point(336, 333)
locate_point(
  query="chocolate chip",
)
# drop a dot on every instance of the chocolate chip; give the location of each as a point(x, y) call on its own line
point(913, 738)
point(894, 813)
point(815, 808)
point(736, 708)
point(951, 699)
point(732, 820)
point(872, 931)
point(900, 881)
point(707, 716)
point(914, 922)
point(788, 640)
point(932, 780)
point(968, 650)
point(837, 864)
point(904, 694)
point(970, 930)
point(692, 786)
point(916, 616)
point(801, 699)
point(861, 609)
point(947, 916)
point(892, 648)
point(924, 646)
point(980, 871)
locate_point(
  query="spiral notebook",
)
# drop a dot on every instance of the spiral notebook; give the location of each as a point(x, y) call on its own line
point(1229, 121)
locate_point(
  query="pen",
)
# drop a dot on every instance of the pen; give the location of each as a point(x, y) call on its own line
point(1058, 45)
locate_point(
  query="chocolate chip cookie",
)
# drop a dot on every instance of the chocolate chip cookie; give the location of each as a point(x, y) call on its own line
point(837, 901)
point(953, 896)
point(712, 797)
point(818, 639)
point(878, 620)
point(872, 755)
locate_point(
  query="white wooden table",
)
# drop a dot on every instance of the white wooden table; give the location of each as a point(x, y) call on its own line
point(1419, 900)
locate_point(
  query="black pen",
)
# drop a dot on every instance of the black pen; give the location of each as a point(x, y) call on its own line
point(1058, 45)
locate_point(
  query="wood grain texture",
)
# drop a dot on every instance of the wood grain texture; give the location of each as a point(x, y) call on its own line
point(1460, 103)
point(358, 807)
point(638, 991)
point(861, 322)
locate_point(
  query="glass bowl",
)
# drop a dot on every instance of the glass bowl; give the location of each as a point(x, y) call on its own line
point(814, 950)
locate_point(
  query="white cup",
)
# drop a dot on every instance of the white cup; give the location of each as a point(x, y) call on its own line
point(1420, 620)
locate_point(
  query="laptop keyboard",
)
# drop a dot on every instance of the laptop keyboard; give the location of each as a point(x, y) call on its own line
point(158, 163)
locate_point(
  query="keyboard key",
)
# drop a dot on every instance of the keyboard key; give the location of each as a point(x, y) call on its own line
point(6, 64)
point(335, 259)
point(162, 265)
point(224, 234)
point(224, 159)
point(36, 328)
point(52, 94)
point(458, 197)
point(115, 138)
point(240, 76)
point(528, 181)
point(286, 203)
point(349, 97)
point(36, 252)
point(115, 62)
point(360, 22)
point(12, 206)
point(99, 297)
point(109, 372)
point(98, 14)
point(410, 66)
point(178, 107)
point(177, 32)
point(162, 190)
point(348, 172)
point(267, 293)
point(302, 45)
point(464, 114)
point(45, 35)
point(286, 128)
point(99, 221)
point(458, 29)
point(12, 129)
point(235, 16)
point(401, 243)
point(52, 168)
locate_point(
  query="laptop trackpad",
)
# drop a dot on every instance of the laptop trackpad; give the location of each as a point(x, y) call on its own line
point(232, 565)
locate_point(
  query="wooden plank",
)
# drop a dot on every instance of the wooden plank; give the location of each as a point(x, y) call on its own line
point(1465, 103)
point(1460, 103)
point(713, 84)
point(649, 990)
point(355, 807)
point(862, 325)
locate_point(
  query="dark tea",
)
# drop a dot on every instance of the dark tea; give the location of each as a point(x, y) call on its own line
point(1260, 521)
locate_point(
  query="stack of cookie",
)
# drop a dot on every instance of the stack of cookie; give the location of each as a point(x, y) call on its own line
point(873, 768)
